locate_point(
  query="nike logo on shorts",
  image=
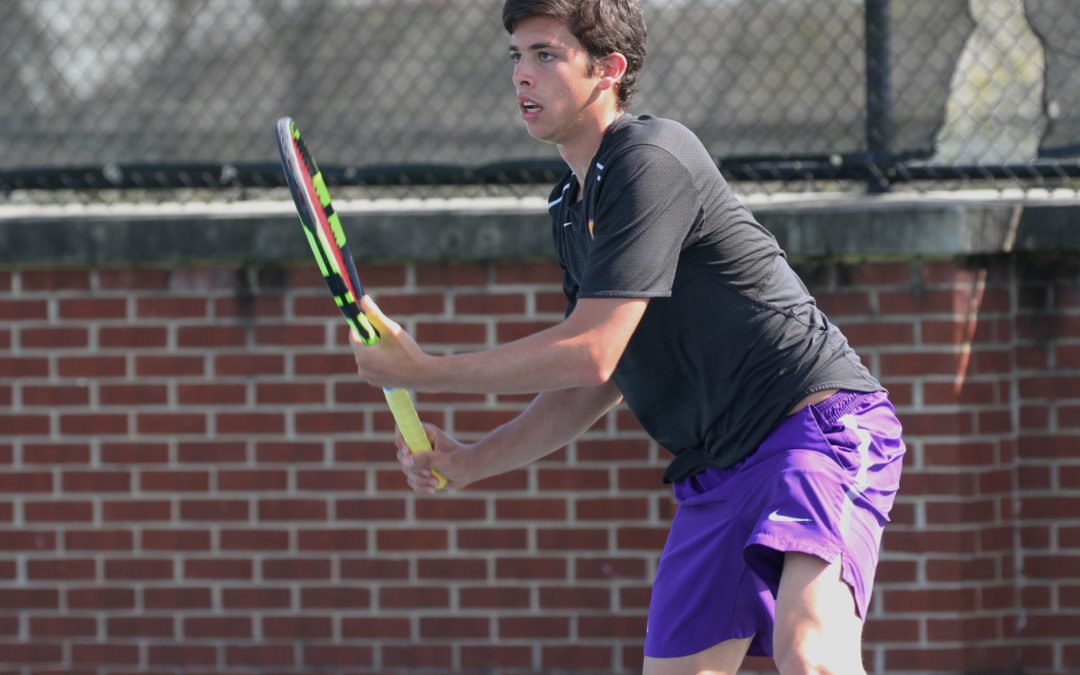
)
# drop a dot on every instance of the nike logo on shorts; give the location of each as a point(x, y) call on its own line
point(776, 516)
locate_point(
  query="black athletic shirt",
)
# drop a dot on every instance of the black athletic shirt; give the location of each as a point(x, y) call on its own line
point(731, 339)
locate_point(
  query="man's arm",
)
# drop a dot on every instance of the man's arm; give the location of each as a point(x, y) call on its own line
point(581, 351)
point(553, 419)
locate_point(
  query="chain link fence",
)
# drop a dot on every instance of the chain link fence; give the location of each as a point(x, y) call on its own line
point(176, 99)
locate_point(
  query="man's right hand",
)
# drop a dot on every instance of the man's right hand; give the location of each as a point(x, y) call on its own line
point(449, 457)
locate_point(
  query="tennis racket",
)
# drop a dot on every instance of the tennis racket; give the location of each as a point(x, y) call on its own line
point(327, 240)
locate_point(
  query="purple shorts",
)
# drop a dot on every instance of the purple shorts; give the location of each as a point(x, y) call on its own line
point(821, 483)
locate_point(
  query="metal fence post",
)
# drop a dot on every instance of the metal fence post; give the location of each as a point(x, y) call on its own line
point(879, 122)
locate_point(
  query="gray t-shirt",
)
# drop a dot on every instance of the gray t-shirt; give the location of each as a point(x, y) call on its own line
point(731, 339)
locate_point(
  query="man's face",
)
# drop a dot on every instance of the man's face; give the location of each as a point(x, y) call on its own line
point(553, 77)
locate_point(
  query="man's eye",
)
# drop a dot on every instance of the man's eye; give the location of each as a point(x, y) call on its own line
point(515, 57)
point(547, 56)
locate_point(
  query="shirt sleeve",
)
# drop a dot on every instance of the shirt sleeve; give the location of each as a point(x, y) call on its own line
point(647, 206)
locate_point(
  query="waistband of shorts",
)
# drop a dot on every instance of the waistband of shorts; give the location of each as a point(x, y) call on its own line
point(845, 402)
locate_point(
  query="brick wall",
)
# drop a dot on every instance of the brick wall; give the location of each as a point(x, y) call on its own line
point(192, 480)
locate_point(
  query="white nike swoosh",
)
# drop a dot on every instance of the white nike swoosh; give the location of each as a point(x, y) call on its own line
point(568, 224)
point(775, 515)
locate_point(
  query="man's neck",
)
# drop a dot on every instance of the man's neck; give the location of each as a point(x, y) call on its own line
point(580, 152)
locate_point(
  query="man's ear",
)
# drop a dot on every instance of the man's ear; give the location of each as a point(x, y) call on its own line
point(612, 68)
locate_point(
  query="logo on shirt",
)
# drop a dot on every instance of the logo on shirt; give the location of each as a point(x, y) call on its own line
point(591, 235)
point(776, 516)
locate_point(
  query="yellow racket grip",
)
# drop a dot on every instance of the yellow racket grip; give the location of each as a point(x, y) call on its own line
point(401, 406)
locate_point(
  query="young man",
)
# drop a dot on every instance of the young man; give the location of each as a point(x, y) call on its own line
point(786, 451)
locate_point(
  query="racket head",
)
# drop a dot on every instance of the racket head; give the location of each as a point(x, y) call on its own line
point(322, 228)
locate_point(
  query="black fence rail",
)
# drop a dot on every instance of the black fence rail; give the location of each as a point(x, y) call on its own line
point(166, 99)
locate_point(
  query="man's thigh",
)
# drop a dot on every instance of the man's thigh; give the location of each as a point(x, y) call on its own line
point(816, 621)
point(721, 659)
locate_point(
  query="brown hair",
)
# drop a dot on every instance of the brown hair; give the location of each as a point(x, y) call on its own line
point(601, 26)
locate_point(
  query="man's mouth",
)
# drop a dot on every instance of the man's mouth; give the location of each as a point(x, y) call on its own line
point(529, 107)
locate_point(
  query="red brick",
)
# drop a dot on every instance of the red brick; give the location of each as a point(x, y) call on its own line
point(452, 568)
point(534, 627)
point(218, 568)
point(456, 509)
point(248, 365)
point(375, 568)
point(261, 656)
point(413, 597)
point(641, 538)
point(136, 510)
point(67, 569)
point(58, 512)
point(324, 364)
point(96, 481)
point(188, 655)
point(212, 452)
point(530, 509)
point(270, 393)
point(210, 336)
point(132, 337)
point(454, 628)
point(139, 569)
point(488, 657)
point(94, 654)
point(174, 481)
point(334, 656)
point(256, 598)
point(177, 597)
point(23, 310)
point(55, 395)
point(495, 597)
point(91, 366)
point(139, 394)
point(171, 424)
point(249, 423)
point(531, 568)
point(211, 394)
point(292, 509)
point(53, 338)
point(101, 598)
point(252, 480)
point(321, 480)
point(418, 539)
point(27, 540)
point(93, 309)
point(612, 508)
point(297, 568)
point(214, 509)
point(63, 626)
point(306, 628)
point(141, 626)
point(217, 627)
point(170, 366)
point(55, 453)
point(24, 367)
point(448, 276)
point(338, 539)
point(259, 539)
point(611, 568)
point(288, 452)
point(175, 540)
point(99, 540)
point(337, 597)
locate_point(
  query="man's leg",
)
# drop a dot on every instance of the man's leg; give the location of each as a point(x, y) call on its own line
point(721, 659)
point(817, 628)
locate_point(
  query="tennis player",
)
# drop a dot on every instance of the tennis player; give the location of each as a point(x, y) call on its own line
point(786, 450)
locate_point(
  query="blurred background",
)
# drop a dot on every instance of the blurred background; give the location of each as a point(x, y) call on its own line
point(414, 96)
